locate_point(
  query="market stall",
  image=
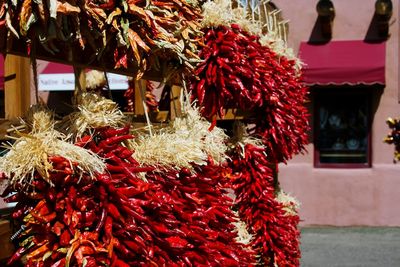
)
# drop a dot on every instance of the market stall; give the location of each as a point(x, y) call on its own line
point(91, 190)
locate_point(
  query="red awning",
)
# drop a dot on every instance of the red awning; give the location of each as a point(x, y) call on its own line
point(343, 62)
point(1, 72)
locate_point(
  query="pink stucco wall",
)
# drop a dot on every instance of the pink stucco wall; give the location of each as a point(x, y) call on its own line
point(348, 196)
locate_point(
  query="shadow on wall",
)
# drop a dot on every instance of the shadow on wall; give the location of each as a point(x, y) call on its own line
point(320, 33)
point(378, 30)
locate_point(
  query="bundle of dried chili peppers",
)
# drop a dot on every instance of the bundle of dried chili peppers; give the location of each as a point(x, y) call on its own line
point(238, 72)
point(199, 212)
point(177, 218)
point(138, 34)
point(185, 220)
point(69, 224)
point(276, 237)
point(81, 220)
point(241, 71)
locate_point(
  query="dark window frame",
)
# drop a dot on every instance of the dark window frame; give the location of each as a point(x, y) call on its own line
point(346, 90)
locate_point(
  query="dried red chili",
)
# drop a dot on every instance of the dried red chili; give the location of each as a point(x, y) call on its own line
point(276, 236)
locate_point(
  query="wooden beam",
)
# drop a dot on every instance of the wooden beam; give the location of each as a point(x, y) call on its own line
point(78, 59)
point(6, 247)
point(175, 107)
point(17, 91)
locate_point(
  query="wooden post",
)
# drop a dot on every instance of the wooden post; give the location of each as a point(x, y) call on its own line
point(17, 89)
point(139, 110)
point(80, 82)
point(6, 247)
point(175, 108)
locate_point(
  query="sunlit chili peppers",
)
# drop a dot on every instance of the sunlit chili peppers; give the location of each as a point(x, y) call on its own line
point(193, 214)
point(72, 223)
point(238, 72)
point(50, 224)
point(174, 218)
point(177, 218)
point(275, 232)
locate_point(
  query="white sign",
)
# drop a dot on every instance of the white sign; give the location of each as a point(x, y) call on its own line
point(66, 82)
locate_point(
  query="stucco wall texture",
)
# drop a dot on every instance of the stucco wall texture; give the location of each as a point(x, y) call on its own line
point(345, 197)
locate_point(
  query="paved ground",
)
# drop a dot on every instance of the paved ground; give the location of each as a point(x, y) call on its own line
point(350, 247)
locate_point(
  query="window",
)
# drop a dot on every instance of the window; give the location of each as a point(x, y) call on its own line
point(342, 128)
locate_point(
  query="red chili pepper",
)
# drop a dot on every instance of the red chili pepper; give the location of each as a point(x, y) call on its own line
point(123, 152)
point(87, 218)
point(39, 185)
point(20, 210)
point(121, 248)
point(238, 72)
point(114, 132)
point(83, 203)
point(108, 228)
point(127, 170)
point(102, 220)
point(57, 159)
point(38, 252)
point(65, 238)
point(16, 256)
point(122, 62)
point(91, 262)
point(200, 93)
point(133, 246)
point(82, 142)
point(42, 208)
point(57, 228)
point(276, 232)
point(115, 140)
point(108, 5)
point(114, 212)
point(177, 242)
point(120, 263)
